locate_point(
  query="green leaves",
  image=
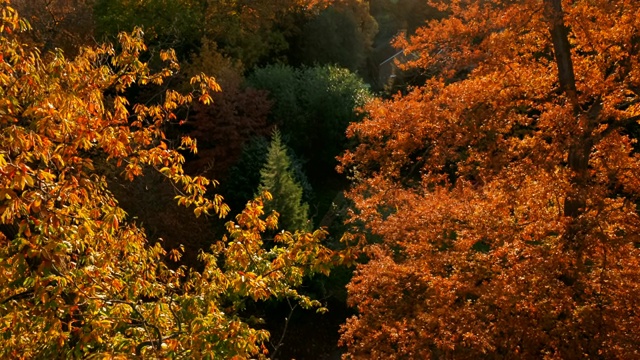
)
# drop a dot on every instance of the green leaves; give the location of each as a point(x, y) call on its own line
point(277, 178)
point(314, 130)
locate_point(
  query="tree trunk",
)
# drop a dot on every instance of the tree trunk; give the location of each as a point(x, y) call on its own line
point(562, 50)
point(581, 144)
point(580, 148)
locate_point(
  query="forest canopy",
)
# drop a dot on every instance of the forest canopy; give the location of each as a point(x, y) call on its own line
point(485, 203)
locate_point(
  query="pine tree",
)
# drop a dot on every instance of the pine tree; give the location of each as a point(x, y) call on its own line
point(277, 177)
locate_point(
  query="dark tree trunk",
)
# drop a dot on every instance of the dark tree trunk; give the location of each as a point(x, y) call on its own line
point(562, 50)
point(581, 144)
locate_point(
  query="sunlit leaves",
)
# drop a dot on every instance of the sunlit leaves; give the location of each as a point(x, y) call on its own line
point(77, 278)
point(461, 187)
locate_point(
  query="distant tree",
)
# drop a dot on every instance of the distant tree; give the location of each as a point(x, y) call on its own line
point(238, 115)
point(252, 31)
point(339, 35)
point(277, 178)
point(240, 185)
point(312, 107)
point(244, 176)
point(249, 31)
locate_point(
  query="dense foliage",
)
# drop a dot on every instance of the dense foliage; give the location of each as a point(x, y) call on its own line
point(339, 35)
point(77, 278)
point(503, 193)
point(249, 31)
point(314, 130)
point(493, 206)
point(173, 24)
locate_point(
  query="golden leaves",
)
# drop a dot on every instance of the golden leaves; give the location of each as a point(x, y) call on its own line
point(79, 279)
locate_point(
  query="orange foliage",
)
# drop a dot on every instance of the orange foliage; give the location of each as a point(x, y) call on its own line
point(500, 198)
point(78, 279)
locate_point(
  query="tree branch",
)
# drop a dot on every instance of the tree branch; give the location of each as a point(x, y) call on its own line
point(287, 319)
point(19, 296)
point(615, 125)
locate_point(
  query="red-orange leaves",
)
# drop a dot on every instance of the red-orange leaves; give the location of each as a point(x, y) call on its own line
point(501, 203)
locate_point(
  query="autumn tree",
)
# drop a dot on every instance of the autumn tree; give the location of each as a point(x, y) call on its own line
point(498, 202)
point(79, 279)
point(277, 178)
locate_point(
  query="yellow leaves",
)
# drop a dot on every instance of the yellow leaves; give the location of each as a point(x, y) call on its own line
point(168, 55)
point(189, 144)
point(286, 263)
point(35, 205)
point(20, 180)
point(77, 257)
point(200, 210)
point(205, 99)
point(132, 44)
point(205, 84)
point(120, 108)
point(10, 20)
point(47, 176)
point(132, 171)
point(172, 100)
point(176, 254)
point(111, 220)
point(195, 79)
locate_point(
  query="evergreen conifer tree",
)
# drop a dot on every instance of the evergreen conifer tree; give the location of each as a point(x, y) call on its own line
point(277, 177)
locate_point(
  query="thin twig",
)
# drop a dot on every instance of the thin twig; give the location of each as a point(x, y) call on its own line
point(276, 348)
